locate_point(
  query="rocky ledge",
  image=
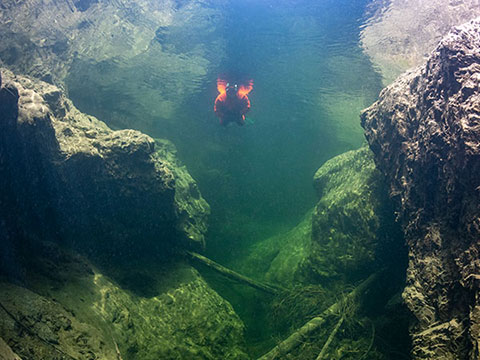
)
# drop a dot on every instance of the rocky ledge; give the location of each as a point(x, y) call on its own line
point(65, 308)
point(66, 176)
point(425, 134)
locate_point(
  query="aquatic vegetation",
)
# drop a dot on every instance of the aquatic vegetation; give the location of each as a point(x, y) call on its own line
point(293, 307)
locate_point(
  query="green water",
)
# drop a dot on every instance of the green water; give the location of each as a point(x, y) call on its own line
point(311, 80)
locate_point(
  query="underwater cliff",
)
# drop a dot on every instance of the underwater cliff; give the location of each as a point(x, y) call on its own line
point(424, 132)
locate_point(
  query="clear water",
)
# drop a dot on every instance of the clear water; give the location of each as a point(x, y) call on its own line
point(311, 81)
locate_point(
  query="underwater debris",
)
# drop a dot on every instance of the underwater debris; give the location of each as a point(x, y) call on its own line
point(268, 288)
point(298, 337)
point(330, 338)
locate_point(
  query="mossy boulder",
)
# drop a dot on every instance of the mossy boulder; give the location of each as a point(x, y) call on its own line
point(352, 222)
point(343, 239)
point(66, 175)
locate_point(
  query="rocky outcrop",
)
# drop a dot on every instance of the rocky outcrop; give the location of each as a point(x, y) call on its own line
point(352, 225)
point(425, 134)
point(400, 34)
point(67, 176)
point(350, 233)
point(67, 309)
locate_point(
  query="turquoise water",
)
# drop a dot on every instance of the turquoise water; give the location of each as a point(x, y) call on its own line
point(311, 79)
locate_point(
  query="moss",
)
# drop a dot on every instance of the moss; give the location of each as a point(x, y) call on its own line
point(350, 221)
point(278, 259)
point(87, 314)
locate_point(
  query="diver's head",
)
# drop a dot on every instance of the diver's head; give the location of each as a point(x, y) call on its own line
point(232, 89)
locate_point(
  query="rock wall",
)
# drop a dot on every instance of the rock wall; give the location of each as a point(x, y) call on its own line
point(425, 133)
point(66, 176)
point(400, 34)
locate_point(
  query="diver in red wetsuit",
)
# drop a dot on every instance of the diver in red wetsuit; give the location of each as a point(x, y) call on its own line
point(232, 103)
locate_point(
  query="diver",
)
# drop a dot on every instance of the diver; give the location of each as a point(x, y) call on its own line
point(232, 103)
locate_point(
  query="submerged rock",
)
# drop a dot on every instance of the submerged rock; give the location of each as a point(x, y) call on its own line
point(66, 308)
point(425, 134)
point(352, 224)
point(67, 176)
point(349, 234)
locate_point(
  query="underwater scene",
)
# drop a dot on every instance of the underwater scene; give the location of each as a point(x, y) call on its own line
point(239, 179)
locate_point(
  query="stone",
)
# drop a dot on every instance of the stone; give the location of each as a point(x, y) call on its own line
point(425, 134)
point(349, 236)
point(70, 306)
point(6, 352)
point(67, 176)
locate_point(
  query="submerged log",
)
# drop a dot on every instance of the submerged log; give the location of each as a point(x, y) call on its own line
point(321, 356)
point(299, 336)
point(268, 288)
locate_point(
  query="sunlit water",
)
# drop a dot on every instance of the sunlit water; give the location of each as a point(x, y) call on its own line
point(311, 81)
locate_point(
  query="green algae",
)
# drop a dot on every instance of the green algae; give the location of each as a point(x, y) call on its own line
point(182, 317)
point(350, 219)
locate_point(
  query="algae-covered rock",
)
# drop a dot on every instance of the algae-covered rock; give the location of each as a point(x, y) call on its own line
point(71, 307)
point(278, 259)
point(344, 238)
point(350, 218)
point(68, 176)
point(41, 328)
point(425, 133)
point(6, 352)
point(192, 210)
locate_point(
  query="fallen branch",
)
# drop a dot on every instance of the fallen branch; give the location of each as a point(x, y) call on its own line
point(330, 339)
point(299, 336)
point(271, 289)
